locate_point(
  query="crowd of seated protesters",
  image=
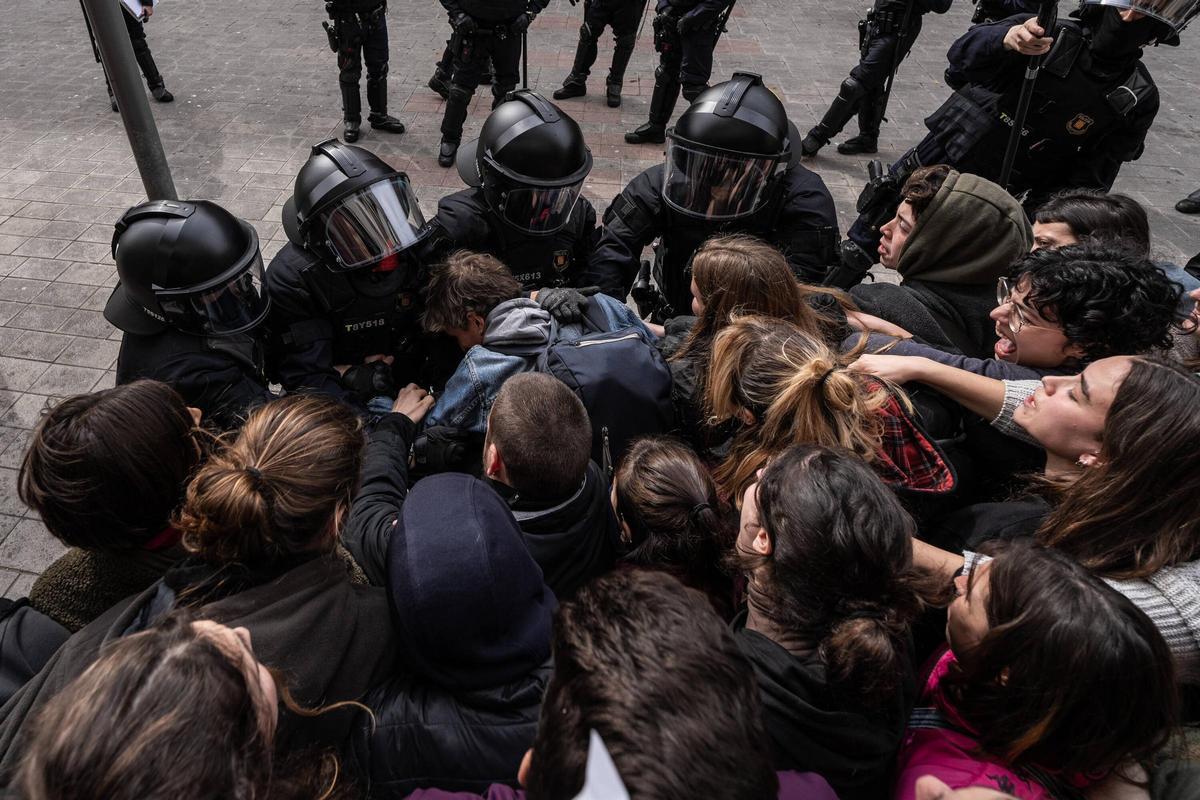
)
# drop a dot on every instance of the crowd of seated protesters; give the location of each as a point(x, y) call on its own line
point(928, 540)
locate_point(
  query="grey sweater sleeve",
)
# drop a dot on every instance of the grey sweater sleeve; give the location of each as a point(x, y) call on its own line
point(1015, 393)
point(988, 367)
point(1171, 598)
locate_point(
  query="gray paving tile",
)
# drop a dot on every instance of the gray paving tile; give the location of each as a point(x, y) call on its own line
point(25, 412)
point(65, 379)
point(18, 375)
point(85, 352)
point(39, 346)
point(10, 504)
point(21, 585)
point(30, 547)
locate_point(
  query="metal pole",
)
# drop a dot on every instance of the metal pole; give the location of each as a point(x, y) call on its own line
point(1047, 18)
point(525, 59)
point(117, 53)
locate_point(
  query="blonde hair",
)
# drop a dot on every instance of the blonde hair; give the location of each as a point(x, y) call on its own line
point(278, 486)
point(797, 390)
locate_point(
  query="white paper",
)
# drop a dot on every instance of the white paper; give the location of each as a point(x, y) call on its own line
point(602, 781)
point(135, 8)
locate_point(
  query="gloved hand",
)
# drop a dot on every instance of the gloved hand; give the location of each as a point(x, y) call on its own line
point(444, 449)
point(464, 24)
point(565, 304)
point(370, 380)
point(522, 23)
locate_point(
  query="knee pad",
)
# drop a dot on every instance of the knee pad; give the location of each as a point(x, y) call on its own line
point(585, 33)
point(626, 40)
point(460, 94)
point(852, 89)
point(663, 74)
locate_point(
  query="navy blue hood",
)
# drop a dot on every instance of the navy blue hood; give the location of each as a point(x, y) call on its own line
point(469, 602)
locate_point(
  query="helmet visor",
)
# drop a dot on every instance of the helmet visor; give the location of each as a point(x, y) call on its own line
point(714, 184)
point(537, 209)
point(1176, 13)
point(229, 305)
point(373, 223)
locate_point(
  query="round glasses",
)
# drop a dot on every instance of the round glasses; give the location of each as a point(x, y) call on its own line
point(1016, 317)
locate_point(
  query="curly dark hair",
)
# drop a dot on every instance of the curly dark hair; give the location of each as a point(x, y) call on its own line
point(1108, 300)
point(922, 185)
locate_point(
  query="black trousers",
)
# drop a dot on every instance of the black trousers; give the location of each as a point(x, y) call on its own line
point(362, 37)
point(623, 16)
point(471, 54)
point(141, 49)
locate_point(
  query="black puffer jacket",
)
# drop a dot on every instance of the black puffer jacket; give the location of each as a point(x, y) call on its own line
point(474, 617)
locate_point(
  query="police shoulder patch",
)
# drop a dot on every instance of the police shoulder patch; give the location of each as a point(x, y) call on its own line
point(1079, 124)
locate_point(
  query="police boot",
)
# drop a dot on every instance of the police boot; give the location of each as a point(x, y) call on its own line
point(622, 52)
point(870, 117)
point(573, 86)
point(1189, 204)
point(662, 103)
point(377, 100)
point(840, 111)
point(351, 111)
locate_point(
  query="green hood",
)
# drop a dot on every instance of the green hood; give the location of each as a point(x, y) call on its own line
point(970, 234)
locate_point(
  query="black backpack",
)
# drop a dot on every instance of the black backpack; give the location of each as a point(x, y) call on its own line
point(622, 379)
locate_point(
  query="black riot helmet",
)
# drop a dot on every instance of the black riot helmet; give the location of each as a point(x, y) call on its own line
point(725, 149)
point(1176, 14)
point(351, 209)
point(188, 265)
point(530, 160)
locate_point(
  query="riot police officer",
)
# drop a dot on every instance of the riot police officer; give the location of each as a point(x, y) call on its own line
point(482, 29)
point(884, 40)
point(359, 33)
point(685, 34)
point(1092, 105)
point(731, 167)
point(141, 51)
point(623, 16)
point(345, 289)
point(189, 304)
point(525, 173)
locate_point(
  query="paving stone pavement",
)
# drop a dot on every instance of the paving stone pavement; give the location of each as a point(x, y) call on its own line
point(255, 87)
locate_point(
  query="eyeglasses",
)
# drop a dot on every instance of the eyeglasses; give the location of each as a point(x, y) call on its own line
point(1017, 320)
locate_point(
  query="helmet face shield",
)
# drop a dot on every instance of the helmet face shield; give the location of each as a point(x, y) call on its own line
point(373, 223)
point(233, 303)
point(1176, 13)
point(714, 184)
point(538, 210)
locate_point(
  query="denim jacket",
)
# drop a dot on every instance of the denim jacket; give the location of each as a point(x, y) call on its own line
point(517, 332)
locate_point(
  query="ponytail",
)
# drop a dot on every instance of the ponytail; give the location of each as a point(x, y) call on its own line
point(277, 487)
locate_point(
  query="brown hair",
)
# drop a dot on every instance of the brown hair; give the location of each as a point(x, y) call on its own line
point(676, 520)
point(797, 390)
point(1071, 676)
point(466, 282)
point(1130, 515)
point(923, 185)
point(106, 470)
point(277, 487)
point(840, 575)
point(542, 432)
point(165, 714)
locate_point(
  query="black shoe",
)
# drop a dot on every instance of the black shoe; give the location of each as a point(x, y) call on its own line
point(612, 93)
point(112, 101)
point(647, 133)
point(440, 84)
point(811, 144)
point(350, 134)
point(859, 144)
point(162, 95)
point(385, 123)
point(1189, 204)
point(446, 153)
point(486, 79)
point(570, 90)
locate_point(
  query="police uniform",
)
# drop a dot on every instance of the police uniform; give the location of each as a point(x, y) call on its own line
point(141, 51)
point(1089, 113)
point(890, 26)
point(360, 34)
point(320, 318)
point(464, 221)
point(798, 217)
point(623, 16)
point(222, 376)
point(993, 10)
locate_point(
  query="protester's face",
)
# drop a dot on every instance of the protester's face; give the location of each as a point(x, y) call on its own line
point(1066, 415)
point(750, 530)
point(895, 234)
point(235, 643)
point(966, 618)
point(1053, 235)
point(1024, 336)
point(697, 303)
point(471, 335)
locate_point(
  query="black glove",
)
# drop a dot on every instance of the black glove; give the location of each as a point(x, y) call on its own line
point(443, 449)
point(464, 24)
point(565, 304)
point(367, 381)
point(521, 23)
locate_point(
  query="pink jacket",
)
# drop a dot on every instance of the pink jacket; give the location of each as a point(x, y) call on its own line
point(939, 742)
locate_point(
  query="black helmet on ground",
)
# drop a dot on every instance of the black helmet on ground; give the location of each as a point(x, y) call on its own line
point(531, 161)
point(351, 209)
point(188, 265)
point(725, 148)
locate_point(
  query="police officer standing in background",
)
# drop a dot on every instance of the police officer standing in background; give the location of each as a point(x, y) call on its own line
point(141, 51)
point(525, 174)
point(190, 302)
point(623, 16)
point(1092, 105)
point(345, 289)
point(482, 29)
point(732, 166)
point(884, 39)
point(359, 33)
point(685, 34)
